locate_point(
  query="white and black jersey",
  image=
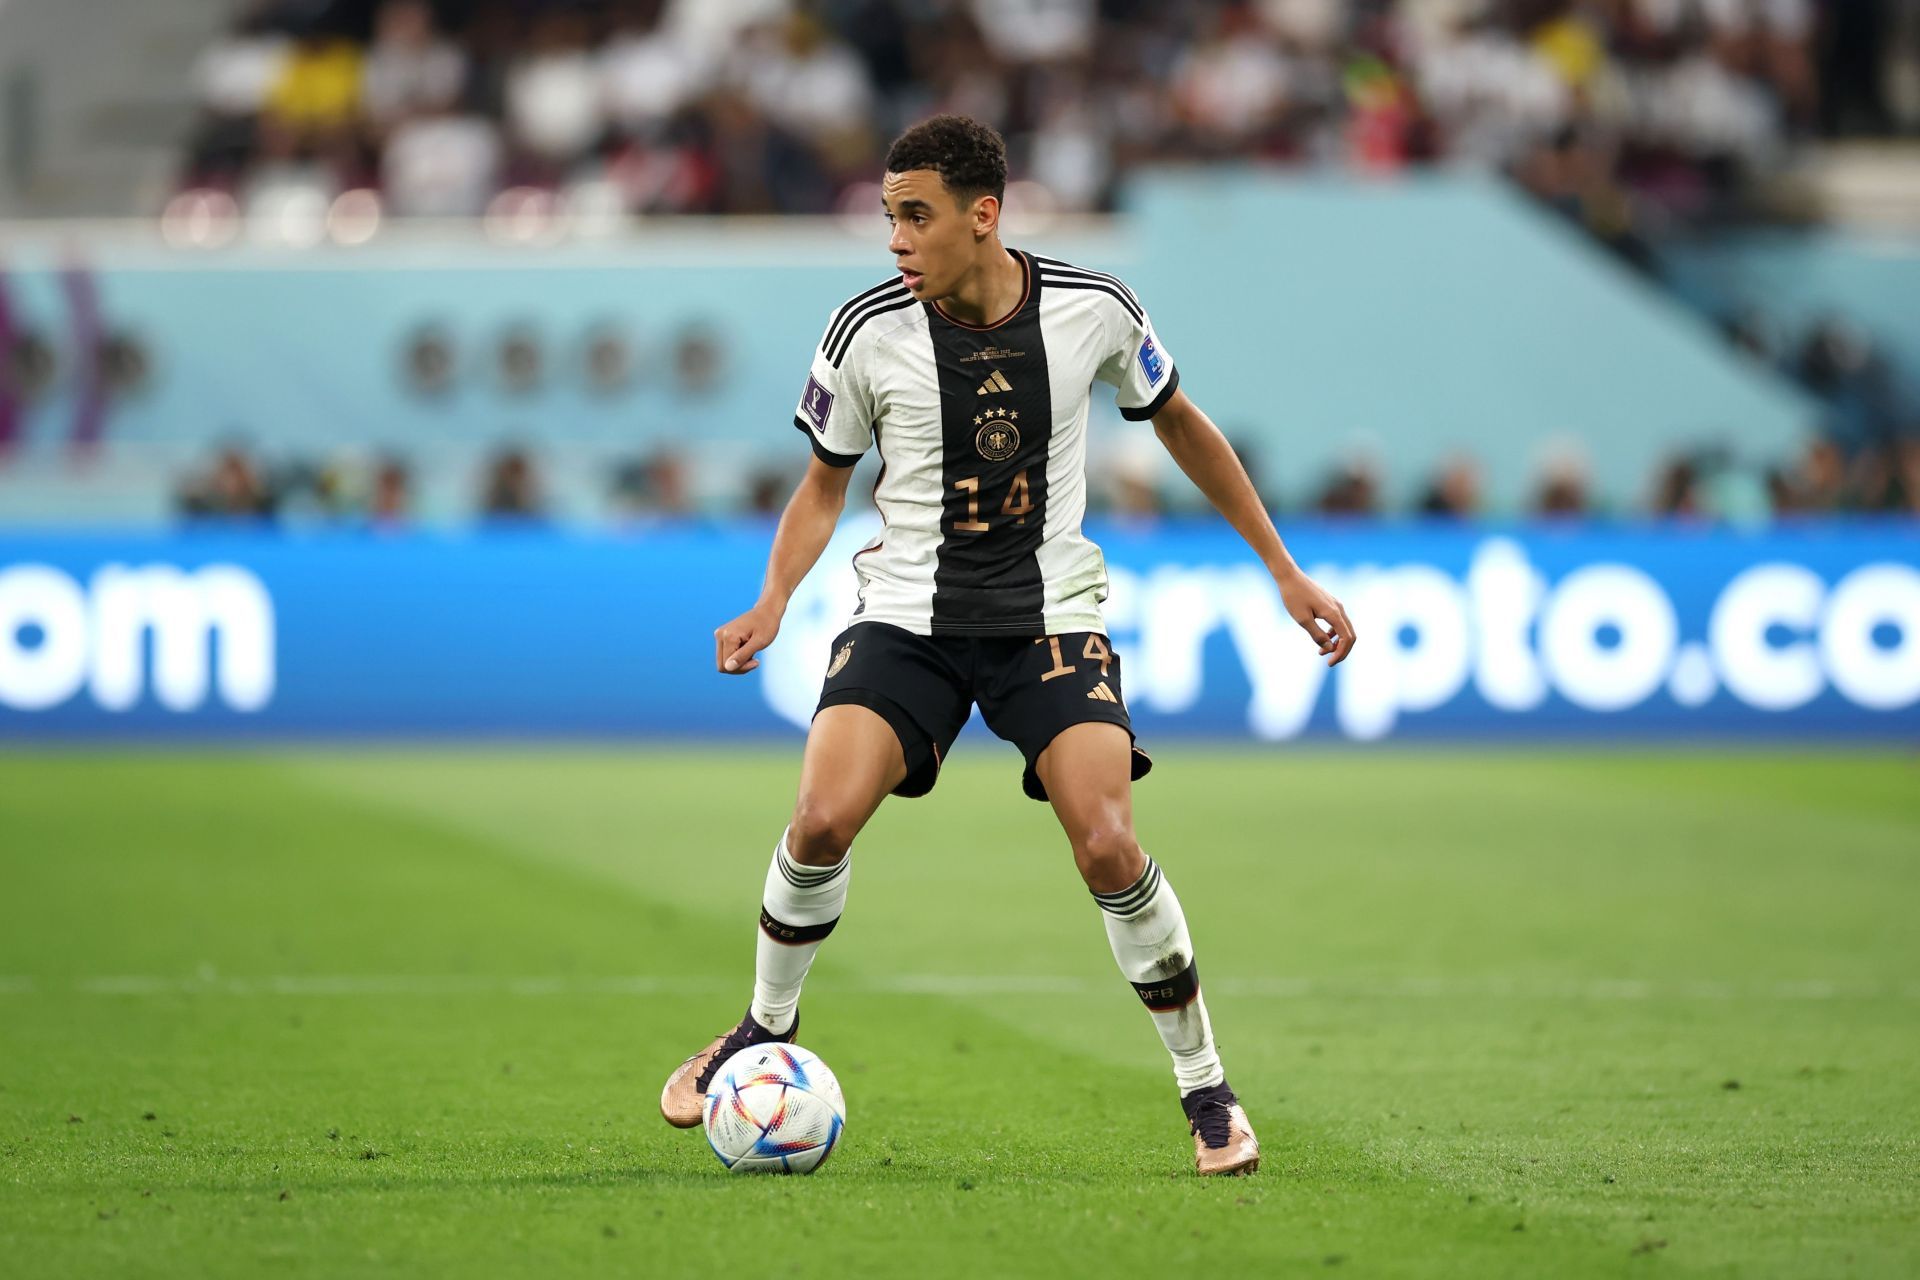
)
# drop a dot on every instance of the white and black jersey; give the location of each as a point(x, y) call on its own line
point(982, 435)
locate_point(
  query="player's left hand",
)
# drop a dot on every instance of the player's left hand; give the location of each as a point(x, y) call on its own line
point(1319, 615)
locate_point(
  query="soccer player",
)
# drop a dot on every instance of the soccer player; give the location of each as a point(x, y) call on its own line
point(970, 372)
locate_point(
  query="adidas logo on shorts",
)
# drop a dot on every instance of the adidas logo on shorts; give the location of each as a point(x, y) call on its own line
point(1100, 693)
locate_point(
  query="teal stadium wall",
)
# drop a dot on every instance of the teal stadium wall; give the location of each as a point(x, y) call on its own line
point(1796, 278)
point(1314, 318)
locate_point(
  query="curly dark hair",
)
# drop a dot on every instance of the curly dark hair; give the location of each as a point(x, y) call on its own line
point(969, 156)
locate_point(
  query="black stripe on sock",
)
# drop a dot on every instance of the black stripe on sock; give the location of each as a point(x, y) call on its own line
point(1134, 896)
point(1135, 887)
point(794, 935)
point(1164, 995)
point(801, 876)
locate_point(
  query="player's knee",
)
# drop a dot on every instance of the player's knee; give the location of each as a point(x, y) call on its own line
point(1109, 857)
point(821, 832)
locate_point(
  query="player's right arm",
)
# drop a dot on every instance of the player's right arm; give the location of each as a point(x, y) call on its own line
point(805, 528)
point(836, 415)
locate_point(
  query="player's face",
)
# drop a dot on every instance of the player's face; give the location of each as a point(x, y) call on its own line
point(936, 237)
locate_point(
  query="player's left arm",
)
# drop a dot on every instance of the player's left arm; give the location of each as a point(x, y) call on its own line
point(1210, 462)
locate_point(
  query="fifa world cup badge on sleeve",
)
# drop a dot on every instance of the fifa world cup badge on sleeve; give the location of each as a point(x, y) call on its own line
point(1150, 362)
point(817, 403)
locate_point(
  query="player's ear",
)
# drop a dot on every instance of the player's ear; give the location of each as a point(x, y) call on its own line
point(986, 216)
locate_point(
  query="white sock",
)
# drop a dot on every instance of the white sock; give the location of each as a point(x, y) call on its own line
point(799, 908)
point(1148, 932)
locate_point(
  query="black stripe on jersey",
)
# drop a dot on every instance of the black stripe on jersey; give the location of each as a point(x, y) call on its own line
point(1055, 266)
point(873, 311)
point(1159, 401)
point(986, 577)
point(821, 451)
point(1116, 292)
point(852, 320)
point(853, 304)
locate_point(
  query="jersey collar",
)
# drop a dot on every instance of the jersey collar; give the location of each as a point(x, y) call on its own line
point(1026, 296)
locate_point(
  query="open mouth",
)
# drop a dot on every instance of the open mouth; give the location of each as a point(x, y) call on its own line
point(913, 279)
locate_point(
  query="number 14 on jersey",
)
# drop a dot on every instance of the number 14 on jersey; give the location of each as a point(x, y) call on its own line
point(1019, 503)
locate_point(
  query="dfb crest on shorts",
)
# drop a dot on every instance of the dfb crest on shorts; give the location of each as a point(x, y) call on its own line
point(840, 659)
point(816, 403)
point(998, 438)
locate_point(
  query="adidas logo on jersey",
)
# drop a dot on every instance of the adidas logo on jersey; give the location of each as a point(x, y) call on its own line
point(1100, 693)
point(994, 385)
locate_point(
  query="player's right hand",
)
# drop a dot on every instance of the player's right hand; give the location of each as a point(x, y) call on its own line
point(735, 644)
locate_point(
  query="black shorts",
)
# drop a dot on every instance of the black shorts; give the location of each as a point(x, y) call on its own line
point(1028, 688)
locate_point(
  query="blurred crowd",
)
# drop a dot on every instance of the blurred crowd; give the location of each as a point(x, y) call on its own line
point(1864, 460)
point(1624, 114)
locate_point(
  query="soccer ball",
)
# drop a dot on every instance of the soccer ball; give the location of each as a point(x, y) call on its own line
point(774, 1108)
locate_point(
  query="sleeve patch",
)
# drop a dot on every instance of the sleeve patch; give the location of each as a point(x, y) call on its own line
point(1151, 362)
point(817, 403)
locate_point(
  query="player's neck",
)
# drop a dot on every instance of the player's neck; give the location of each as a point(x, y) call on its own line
point(990, 291)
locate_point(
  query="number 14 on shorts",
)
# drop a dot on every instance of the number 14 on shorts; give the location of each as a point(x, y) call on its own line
point(1095, 649)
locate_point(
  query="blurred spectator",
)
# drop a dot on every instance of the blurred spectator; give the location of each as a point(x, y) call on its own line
point(233, 77)
point(1839, 364)
point(391, 502)
point(1677, 489)
point(1884, 479)
point(709, 31)
point(1352, 490)
point(1021, 31)
point(1562, 489)
point(511, 491)
point(1230, 87)
point(315, 101)
point(440, 163)
point(1454, 492)
point(1070, 150)
point(232, 488)
point(1134, 495)
point(554, 108)
point(1820, 483)
point(657, 485)
point(768, 491)
point(698, 360)
point(409, 67)
point(807, 83)
point(648, 73)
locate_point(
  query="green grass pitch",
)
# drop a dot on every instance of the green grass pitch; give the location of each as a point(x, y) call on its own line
point(1535, 1014)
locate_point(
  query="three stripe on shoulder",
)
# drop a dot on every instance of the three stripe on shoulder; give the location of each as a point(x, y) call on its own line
point(1064, 275)
point(1057, 267)
point(891, 295)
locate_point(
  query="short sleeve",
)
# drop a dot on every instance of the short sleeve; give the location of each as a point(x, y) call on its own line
point(1139, 366)
point(836, 410)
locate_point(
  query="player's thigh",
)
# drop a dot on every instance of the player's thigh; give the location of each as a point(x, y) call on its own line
point(1087, 770)
point(1033, 690)
point(852, 761)
point(911, 682)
